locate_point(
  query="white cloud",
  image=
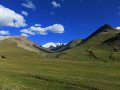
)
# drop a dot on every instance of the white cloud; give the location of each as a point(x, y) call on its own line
point(29, 4)
point(55, 4)
point(26, 31)
point(38, 30)
point(52, 44)
point(25, 35)
point(25, 13)
point(38, 25)
point(118, 27)
point(10, 18)
point(4, 33)
point(56, 28)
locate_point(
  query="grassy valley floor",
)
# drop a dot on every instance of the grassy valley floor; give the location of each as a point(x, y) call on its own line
point(55, 74)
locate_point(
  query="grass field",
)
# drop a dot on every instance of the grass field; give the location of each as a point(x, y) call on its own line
point(54, 74)
point(90, 66)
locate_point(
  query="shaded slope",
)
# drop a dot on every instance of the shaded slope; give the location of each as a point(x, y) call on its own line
point(103, 33)
point(113, 42)
point(102, 29)
point(92, 48)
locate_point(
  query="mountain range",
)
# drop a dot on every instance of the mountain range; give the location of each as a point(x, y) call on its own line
point(89, 64)
point(104, 42)
point(52, 45)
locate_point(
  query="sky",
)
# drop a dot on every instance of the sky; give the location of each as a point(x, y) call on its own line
point(44, 21)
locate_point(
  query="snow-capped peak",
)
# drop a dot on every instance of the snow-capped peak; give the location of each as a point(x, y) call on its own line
point(52, 44)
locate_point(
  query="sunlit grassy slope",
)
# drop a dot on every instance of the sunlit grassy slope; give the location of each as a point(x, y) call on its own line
point(20, 47)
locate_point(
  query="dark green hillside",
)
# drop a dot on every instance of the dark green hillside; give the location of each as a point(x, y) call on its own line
point(102, 29)
point(92, 48)
point(113, 42)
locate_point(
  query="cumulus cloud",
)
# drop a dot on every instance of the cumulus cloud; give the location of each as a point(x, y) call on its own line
point(38, 25)
point(26, 31)
point(25, 13)
point(52, 44)
point(25, 35)
point(29, 4)
point(4, 33)
point(118, 27)
point(56, 28)
point(55, 4)
point(10, 18)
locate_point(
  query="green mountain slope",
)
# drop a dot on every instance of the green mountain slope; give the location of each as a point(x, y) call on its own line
point(113, 42)
point(79, 68)
point(20, 46)
point(93, 48)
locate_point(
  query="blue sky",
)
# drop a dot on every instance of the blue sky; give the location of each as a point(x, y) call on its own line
point(45, 21)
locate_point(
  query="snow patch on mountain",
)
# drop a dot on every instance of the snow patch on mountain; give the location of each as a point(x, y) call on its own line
point(52, 45)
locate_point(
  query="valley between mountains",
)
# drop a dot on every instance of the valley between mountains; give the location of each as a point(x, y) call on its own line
point(82, 64)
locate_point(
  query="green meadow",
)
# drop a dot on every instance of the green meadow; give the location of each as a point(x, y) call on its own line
point(92, 65)
point(31, 73)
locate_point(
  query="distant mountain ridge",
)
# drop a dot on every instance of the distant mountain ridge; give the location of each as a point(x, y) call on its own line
point(70, 45)
point(58, 47)
point(103, 44)
point(52, 45)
